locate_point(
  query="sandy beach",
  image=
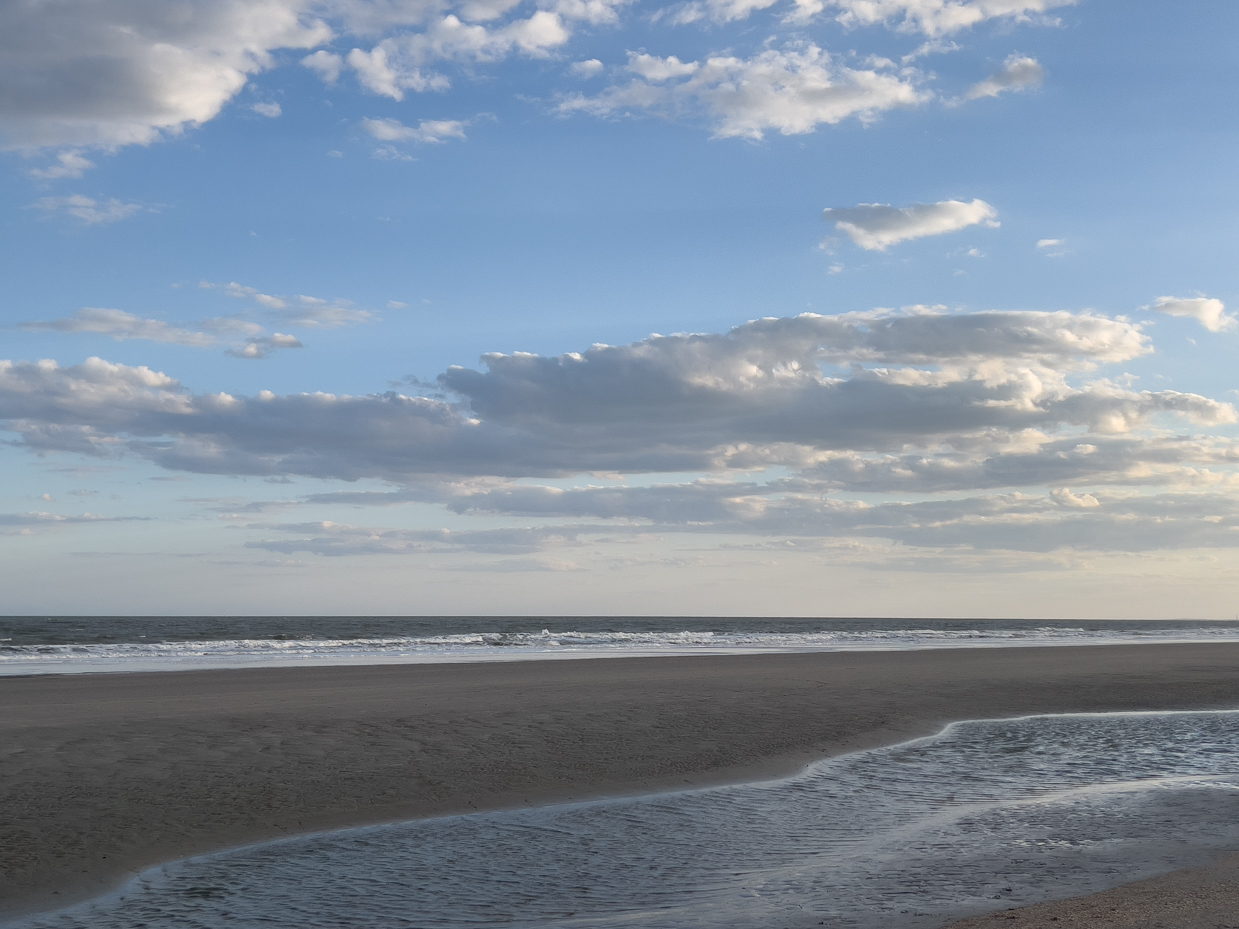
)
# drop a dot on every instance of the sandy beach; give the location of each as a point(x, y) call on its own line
point(106, 774)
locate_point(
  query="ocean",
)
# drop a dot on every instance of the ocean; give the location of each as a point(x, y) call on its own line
point(983, 816)
point(43, 645)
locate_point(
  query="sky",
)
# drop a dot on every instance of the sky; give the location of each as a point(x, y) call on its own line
point(604, 307)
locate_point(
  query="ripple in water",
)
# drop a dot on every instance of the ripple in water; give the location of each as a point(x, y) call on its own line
point(985, 815)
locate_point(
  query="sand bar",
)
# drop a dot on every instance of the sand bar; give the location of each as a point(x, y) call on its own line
point(103, 775)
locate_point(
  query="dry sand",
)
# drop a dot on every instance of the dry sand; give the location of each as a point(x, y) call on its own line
point(102, 775)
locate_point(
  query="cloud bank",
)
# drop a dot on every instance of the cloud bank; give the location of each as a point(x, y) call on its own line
point(782, 391)
point(987, 431)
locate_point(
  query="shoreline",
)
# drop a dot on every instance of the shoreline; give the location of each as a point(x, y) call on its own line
point(108, 774)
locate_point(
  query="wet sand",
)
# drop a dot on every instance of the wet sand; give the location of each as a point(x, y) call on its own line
point(103, 775)
point(1201, 898)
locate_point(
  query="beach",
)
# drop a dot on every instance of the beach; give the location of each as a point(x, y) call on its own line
point(106, 774)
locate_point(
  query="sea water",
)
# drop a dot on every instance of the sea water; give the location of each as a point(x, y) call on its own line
point(41, 645)
point(984, 816)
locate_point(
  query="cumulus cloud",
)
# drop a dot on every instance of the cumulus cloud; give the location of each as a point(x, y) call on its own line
point(116, 72)
point(997, 422)
point(590, 67)
point(68, 164)
point(788, 391)
point(121, 326)
point(327, 65)
point(120, 72)
point(91, 212)
point(875, 226)
point(1208, 311)
point(1018, 73)
point(792, 90)
point(432, 131)
point(929, 17)
point(403, 62)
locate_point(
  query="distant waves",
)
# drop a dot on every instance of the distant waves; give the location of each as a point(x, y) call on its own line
point(31, 645)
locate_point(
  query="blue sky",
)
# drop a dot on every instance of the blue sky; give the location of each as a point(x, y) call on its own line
point(315, 248)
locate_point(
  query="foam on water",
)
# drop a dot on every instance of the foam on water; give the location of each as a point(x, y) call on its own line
point(983, 816)
point(86, 651)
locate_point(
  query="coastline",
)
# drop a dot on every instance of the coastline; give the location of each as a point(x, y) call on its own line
point(105, 775)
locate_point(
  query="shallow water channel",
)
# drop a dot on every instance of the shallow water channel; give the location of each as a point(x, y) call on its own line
point(983, 816)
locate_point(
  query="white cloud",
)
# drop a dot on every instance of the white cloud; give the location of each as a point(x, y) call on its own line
point(426, 131)
point(789, 391)
point(91, 212)
point(121, 326)
point(930, 17)
point(263, 346)
point(398, 63)
point(591, 67)
point(1018, 73)
point(792, 90)
point(117, 72)
point(656, 70)
point(68, 164)
point(391, 80)
point(1050, 243)
point(121, 72)
point(875, 226)
point(1208, 311)
point(1064, 497)
point(327, 65)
